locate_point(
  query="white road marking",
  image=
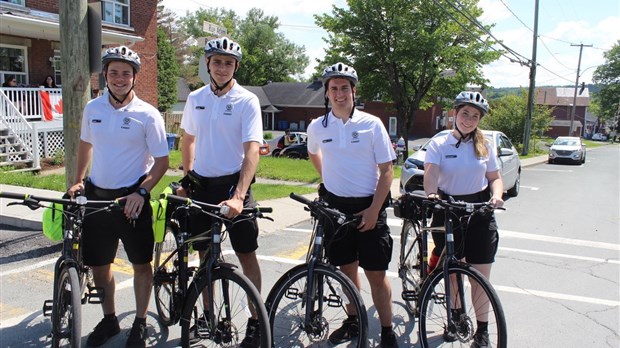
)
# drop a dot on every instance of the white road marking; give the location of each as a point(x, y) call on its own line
point(28, 268)
point(549, 170)
point(559, 240)
point(530, 188)
point(566, 256)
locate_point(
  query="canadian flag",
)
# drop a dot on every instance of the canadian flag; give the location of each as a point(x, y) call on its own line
point(52, 105)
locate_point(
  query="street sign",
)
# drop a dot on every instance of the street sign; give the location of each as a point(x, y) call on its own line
point(213, 29)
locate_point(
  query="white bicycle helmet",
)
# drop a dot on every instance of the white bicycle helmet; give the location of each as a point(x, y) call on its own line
point(472, 98)
point(339, 70)
point(121, 54)
point(223, 46)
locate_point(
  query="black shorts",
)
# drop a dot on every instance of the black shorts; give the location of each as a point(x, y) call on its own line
point(103, 230)
point(373, 249)
point(481, 240)
point(243, 235)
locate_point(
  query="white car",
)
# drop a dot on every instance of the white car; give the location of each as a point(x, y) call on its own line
point(412, 175)
point(567, 148)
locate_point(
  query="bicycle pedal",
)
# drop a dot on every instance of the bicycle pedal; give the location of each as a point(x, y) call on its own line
point(47, 307)
point(95, 295)
point(334, 301)
point(409, 295)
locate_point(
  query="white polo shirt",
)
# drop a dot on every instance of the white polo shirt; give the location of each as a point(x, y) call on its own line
point(351, 152)
point(221, 125)
point(460, 172)
point(124, 141)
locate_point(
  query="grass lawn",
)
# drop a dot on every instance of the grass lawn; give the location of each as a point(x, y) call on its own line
point(284, 169)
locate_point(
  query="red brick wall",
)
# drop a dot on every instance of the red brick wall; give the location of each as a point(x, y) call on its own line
point(38, 61)
point(143, 21)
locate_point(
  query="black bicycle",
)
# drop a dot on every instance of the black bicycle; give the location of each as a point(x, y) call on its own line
point(73, 282)
point(454, 295)
point(313, 298)
point(221, 319)
point(413, 259)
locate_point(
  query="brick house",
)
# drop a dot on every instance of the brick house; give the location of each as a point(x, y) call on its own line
point(560, 100)
point(31, 125)
point(294, 104)
point(30, 40)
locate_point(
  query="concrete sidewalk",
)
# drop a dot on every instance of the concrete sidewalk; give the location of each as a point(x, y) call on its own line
point(286, 212)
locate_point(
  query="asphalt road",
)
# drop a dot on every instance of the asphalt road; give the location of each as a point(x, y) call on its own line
point(557, 271)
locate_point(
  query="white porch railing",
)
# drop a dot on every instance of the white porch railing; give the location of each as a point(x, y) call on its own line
point(29, 103)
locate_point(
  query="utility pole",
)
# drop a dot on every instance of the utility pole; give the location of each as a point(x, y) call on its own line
point(571, 132)
point(75, 77)
point(530, 96)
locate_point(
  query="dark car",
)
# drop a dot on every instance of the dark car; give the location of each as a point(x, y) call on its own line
point(298, 151)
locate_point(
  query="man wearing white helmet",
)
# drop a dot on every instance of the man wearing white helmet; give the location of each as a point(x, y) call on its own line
point(353, 153)
point(124, 139)
point(464, 165)
point(222, 131)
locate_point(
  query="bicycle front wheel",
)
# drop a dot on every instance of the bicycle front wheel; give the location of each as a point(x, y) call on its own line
point(410, 265)
point(67, 310)
point(235, 301)
point(472, 298)
point(166, 277)
point(333, 297)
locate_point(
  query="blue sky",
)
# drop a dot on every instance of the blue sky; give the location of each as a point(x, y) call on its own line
point(560, 24)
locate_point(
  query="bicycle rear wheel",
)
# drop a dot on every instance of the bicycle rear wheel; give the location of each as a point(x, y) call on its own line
point(67, 309)
point(235, 301)
point(166, 277)
point(410, 265)
point(434, 329)
point(333, 292)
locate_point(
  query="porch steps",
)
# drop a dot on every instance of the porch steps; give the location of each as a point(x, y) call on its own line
point(12, 154)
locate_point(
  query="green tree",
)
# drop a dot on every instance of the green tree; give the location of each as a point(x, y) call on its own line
point(167, 72)
point(607, 76)
point(267, 54)
point(508, 116)
point(410, 51)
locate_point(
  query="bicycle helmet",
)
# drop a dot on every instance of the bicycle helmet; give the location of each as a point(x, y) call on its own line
point(474, 99)
point(121, 54)
point(339, 70)
point(223, 46)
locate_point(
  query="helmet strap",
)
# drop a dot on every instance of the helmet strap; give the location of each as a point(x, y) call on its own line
point(463, 137)
point(117, 99)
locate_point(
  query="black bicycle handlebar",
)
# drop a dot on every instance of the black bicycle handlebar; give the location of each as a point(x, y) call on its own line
point(214, 208)
point(322, 207)
point(461, 205)
point(29, 200)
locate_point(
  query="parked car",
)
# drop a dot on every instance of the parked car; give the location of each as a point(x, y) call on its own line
point(278, 143)
point(298, 151)
point(263, 150)
point(412, 175)
point(567, 148)
point(599, 137)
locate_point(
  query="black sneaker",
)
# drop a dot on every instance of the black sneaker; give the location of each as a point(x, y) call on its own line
point(103, 332)
point(481, 340)
point(348, 331)
point(137, 336)
point(252, 336)
point(389, 340)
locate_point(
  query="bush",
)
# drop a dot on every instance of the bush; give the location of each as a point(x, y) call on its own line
point(268, 136)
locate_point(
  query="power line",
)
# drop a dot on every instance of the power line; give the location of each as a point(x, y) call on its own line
point(517, 17)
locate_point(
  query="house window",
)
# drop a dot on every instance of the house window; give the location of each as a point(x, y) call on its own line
point(115, 11)
point(56, 67)
point(16, 2)
point(13, 61)
point(392, 126)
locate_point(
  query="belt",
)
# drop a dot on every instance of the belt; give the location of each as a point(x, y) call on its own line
point(109, 194)
point(477, 197)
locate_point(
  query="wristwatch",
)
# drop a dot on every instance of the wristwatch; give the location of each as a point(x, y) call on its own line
point(144, 193)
